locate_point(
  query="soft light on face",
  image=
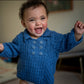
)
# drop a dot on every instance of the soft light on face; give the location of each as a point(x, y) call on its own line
point(35, 21)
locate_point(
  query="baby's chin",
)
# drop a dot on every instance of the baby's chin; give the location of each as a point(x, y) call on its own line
point(38, 35)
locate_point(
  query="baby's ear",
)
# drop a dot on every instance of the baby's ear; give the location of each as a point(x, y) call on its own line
point(23, 23)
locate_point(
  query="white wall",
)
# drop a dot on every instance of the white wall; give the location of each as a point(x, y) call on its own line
point(61, 22)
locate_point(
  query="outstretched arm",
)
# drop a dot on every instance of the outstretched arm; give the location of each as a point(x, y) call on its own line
point(79, 30)
point(10, 49)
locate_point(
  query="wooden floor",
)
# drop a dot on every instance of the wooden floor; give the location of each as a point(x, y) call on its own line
point(61, 77)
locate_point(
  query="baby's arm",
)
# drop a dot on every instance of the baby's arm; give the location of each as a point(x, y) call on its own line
point(1, 47)
point(10, 49)
point(79, 30)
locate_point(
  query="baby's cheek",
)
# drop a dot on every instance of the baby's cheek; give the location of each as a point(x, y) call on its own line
point(45, 25)
point(30, 29)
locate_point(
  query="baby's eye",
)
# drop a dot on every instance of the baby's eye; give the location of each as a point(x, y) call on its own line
point(42, 18)
point(31, 20)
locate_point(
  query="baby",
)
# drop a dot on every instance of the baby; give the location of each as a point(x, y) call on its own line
point(37, 46)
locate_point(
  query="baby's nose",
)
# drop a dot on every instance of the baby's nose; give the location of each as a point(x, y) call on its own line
point(38, 22)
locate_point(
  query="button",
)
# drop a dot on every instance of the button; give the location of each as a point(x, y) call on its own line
point(33, 53)
point(41, 47)
point(34, 42)
point(33, 47)
point(41, 42)
point(40, 53)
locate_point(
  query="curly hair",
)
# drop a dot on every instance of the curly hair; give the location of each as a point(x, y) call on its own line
point(31, 3)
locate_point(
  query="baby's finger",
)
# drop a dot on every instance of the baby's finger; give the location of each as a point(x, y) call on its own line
point(1, 47)
point(77, 23)
point(80, 25)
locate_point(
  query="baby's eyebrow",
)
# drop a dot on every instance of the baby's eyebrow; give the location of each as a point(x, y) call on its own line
point(42, 16)
point(31, 18)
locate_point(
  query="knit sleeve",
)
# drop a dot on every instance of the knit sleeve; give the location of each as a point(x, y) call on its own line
point(11, 49)
point(66, 42)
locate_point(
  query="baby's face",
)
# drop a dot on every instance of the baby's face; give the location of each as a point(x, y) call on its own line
point(35, 21)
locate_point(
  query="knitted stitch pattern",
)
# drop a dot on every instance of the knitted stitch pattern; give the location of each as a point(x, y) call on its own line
point(38, 57)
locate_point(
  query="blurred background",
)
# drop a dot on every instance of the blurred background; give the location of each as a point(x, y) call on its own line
point(59, 21)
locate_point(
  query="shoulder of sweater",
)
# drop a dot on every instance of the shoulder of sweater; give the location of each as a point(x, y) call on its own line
point(19, 36)
point(54, 33)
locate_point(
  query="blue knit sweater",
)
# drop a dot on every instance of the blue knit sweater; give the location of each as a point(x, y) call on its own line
point(38, 57)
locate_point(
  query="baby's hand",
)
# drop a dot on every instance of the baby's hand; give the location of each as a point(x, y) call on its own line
point(79, 28)
point(1, 47)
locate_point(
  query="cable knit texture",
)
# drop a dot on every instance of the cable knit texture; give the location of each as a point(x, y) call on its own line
point(38, 57)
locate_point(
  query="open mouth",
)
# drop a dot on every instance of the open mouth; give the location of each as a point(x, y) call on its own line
point(38, 30)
